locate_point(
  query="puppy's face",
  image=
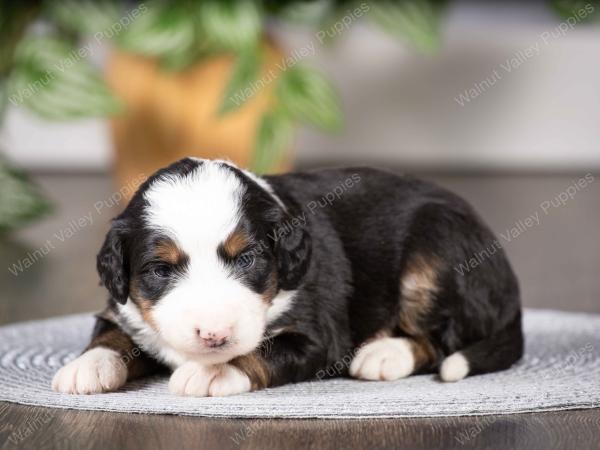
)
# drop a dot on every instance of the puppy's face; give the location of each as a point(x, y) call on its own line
point(193, 259)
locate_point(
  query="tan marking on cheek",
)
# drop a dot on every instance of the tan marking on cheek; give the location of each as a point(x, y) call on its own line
point(271, 291)
point(235, 243)
point(418, 285)
point(147, 310)
point(255, 367)
point(169, 252)
point(145, 306)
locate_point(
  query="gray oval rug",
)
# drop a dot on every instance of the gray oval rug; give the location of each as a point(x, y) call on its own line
point(561, 370)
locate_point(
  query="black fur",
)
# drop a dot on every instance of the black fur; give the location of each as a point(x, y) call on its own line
point(361, 242)
point(111, 263)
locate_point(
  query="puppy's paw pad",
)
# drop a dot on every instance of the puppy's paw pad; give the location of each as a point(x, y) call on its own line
point(97, 370)
point(192, 379)
point(229, 381)
point(383, 359)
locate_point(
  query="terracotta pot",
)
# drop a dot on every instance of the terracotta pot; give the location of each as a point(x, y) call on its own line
point(170, 115)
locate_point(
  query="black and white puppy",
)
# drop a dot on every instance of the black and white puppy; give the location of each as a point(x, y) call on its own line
point(237, 283)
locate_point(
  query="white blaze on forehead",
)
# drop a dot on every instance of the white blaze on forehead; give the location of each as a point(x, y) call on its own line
point(262, 183)
point(198, 210)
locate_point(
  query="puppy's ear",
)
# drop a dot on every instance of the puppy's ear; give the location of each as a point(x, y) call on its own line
point(293, 251)
point(111, 264)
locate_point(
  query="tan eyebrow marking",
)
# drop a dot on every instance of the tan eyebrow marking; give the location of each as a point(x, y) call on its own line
point(166, 250)
point(235, 243)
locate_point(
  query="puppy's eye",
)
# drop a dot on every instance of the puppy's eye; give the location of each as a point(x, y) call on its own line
point(245, 261)
point(162, 271)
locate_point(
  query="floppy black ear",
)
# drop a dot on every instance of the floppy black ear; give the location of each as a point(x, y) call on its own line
point(293, 251)
point(111, 263)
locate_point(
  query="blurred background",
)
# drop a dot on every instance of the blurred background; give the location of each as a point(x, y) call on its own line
point(498, 101)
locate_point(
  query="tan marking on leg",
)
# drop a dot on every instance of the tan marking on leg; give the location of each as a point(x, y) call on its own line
point(133, 356)
point(418, 285)
point(114, 339)
point(424, 352)
point(255, 367)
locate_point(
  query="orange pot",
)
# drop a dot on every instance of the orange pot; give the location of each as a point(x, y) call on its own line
point(170, 115)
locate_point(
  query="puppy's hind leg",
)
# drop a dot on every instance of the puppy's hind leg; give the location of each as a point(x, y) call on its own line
point(497, 352)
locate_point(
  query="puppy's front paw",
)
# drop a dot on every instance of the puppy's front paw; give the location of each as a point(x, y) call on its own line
point(97, 370)
point(229, 381)
point(192, 379)
point(197, 380)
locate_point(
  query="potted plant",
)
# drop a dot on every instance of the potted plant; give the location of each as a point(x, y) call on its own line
point(185, 77)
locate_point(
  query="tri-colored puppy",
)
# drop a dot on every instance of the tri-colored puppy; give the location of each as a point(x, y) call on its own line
point(237, 283)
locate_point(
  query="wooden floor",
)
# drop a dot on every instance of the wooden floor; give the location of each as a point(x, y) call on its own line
point(557, 260)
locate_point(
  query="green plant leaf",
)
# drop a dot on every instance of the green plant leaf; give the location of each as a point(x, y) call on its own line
point(54, 81)
point(274, 135)
point(233, 25)
point(84, 16)
point(418, 21)
point(13, 23)
point(308, 97)
point(3, 97)
point(165, 31)
point(20, 200)
point(244, 72)
point(305, 13)
point(582, 10)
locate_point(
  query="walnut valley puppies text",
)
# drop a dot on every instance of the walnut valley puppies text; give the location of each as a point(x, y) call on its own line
point(524, 55)
point(525, 224)
point(313, 207)
point(74, 226)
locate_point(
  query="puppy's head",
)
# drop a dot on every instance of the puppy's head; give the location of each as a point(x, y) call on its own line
point(198, 257)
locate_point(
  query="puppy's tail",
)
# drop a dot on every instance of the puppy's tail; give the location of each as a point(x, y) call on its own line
point(497, 352)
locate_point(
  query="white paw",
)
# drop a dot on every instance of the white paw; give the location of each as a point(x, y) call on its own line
point(192, 379)
point(97, 370)
point(197, 380)
point(229, 381)
point(454, 368)
point(383, 359)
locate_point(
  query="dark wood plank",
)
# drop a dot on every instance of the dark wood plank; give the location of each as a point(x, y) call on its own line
point(81, 430)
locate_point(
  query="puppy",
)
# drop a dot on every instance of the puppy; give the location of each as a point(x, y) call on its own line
point(237, 283)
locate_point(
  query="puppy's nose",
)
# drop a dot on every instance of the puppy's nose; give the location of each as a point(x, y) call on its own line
point(214, 338)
